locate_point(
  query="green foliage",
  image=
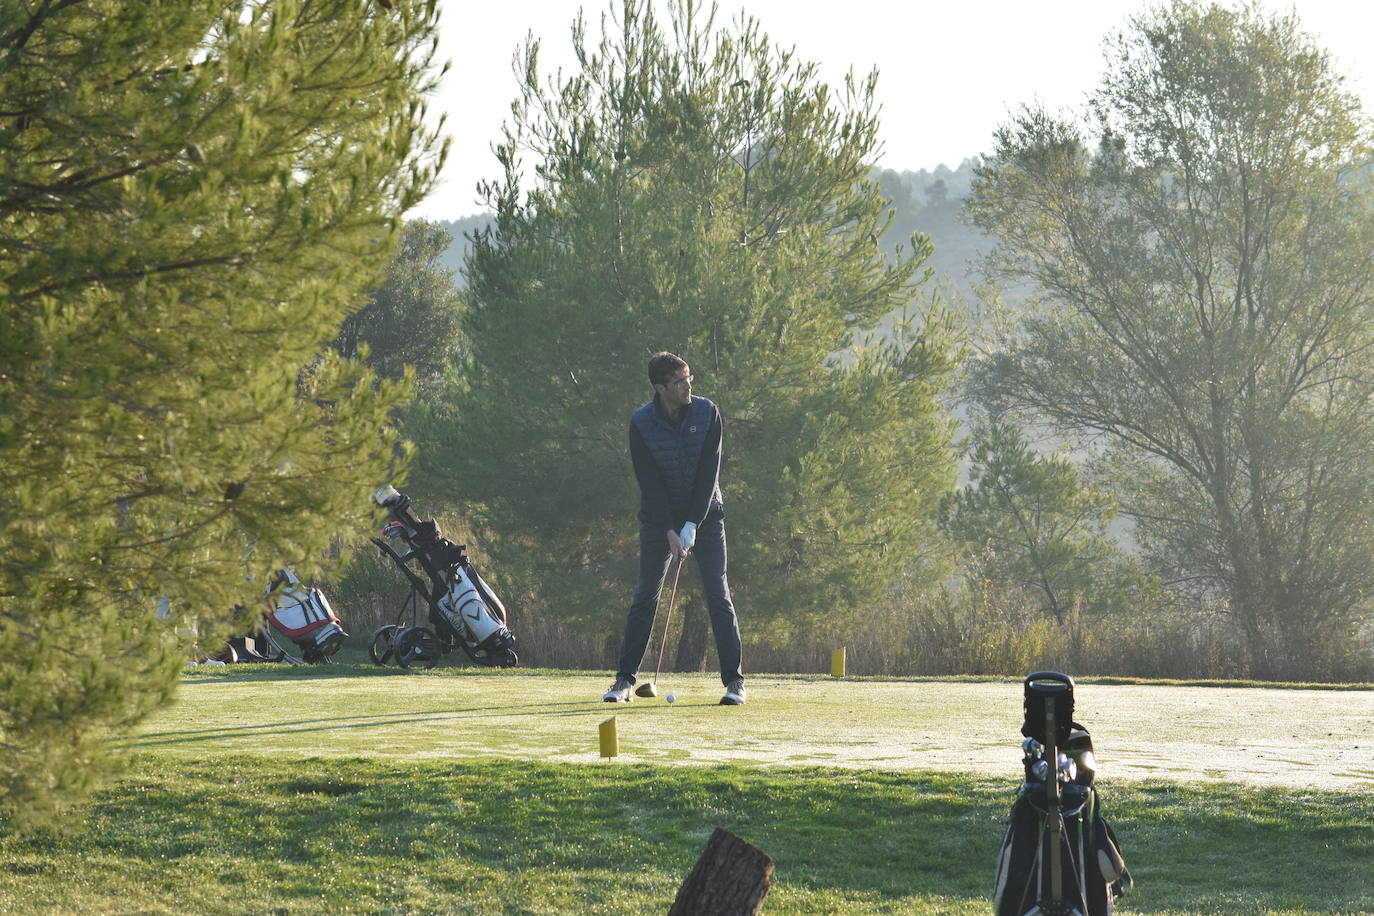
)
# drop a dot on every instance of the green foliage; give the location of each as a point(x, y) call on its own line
point(191, 199)
point(924, 202)
point(975, 625)
point(1033, 525)
point(1205, 309)
point(412, 318)
point(700, 192)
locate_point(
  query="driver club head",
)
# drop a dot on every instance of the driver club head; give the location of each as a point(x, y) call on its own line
point(647, 689)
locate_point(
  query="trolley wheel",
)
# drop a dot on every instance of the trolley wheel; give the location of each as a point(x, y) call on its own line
point(383, 646)
point(417, 647)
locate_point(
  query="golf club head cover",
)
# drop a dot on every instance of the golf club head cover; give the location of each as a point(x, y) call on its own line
point(688, 536)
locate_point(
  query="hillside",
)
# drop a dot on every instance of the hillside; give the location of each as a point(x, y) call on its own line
point(922, 201)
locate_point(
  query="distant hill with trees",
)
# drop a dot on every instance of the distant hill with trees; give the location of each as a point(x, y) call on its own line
point(930, 202)
point(461, 229)
point(926, 201)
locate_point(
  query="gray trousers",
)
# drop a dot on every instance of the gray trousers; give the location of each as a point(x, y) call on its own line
point(655, 561)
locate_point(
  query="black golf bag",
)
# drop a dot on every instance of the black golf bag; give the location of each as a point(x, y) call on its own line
point(303, 615)
point(464, 612)
point(1059, 856)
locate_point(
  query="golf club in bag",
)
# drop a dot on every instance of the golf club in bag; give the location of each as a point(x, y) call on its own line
point(463, 611)
point(1059, 856)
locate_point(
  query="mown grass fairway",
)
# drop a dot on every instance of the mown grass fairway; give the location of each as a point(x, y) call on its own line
point(371, 791)
point(1257, 735)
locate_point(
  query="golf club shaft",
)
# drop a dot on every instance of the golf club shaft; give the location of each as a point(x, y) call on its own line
point(663, 643)
point(1052, 812)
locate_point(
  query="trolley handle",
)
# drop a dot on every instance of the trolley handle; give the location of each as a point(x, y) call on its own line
point(393, 500)
point(1048, 682)
point(397, 505)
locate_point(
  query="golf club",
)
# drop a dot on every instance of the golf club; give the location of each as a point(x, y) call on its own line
point(651, 689)
point(1051, 686)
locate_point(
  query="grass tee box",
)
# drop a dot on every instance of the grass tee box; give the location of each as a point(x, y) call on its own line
point(1254, 735)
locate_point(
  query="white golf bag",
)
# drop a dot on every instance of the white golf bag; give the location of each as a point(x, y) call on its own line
point(464, 612)
point(302, 614)
point(464, 608)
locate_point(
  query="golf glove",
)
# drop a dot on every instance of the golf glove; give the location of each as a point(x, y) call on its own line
point(688, 536)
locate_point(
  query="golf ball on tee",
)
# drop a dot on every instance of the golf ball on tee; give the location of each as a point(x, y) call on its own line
point(671, 698)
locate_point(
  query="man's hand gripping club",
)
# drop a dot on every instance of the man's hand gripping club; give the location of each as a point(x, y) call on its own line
point(680, 543)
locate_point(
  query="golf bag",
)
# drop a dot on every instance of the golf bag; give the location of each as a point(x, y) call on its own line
point(296, 611)
point(463, 611)
point(1059, 856)
point(302, 614)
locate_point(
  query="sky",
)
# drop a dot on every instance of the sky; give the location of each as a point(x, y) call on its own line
point(949, 73)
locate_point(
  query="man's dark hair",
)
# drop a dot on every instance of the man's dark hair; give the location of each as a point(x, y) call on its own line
point(663, 366)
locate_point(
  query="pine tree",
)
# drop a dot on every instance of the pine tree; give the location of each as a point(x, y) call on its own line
point(411, 318)
point(702, 192)
point(192, 197)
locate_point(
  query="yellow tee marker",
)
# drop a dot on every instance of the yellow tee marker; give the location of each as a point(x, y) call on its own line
point(610, 741)
point(837, 663)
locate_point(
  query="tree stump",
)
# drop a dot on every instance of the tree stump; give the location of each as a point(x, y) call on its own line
point(730, 879)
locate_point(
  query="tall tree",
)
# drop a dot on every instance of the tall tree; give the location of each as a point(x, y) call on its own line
point(703, 192)
point(192, 196)
point(411, 319)
point(1200, 253)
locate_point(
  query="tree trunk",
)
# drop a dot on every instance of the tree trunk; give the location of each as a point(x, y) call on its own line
point(731, 878)
point(691, 645)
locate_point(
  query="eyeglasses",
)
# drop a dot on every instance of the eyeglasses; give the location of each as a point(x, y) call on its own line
point(685, 380)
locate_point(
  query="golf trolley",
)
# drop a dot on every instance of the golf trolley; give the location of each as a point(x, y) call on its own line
point(464, 613)
point(1059, 856)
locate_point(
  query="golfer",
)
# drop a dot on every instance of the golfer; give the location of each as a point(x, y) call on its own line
point(675, 445)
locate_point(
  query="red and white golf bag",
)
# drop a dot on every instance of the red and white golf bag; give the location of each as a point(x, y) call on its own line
point(302, 614)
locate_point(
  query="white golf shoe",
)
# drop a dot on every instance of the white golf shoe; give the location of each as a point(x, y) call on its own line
point(620, 691)
point(734, 694)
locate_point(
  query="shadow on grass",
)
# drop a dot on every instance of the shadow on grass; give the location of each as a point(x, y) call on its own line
point(151, 740)
point(268, 671)
point(620, 838)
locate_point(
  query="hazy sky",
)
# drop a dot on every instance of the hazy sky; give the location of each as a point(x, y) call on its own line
point(948, 73)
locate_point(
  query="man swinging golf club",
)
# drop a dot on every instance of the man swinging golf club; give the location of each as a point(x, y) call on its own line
point(676, 447)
